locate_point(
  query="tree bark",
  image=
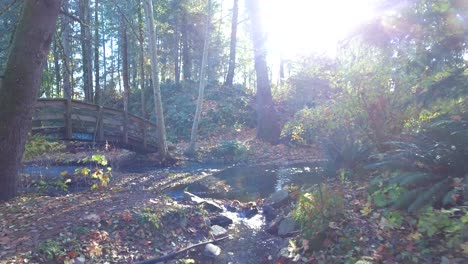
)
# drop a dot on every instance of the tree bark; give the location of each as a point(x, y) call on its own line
point(186, 59)
point(201, 88)
point(67, 71)
point(162, 143)
point(86, 50)
point(97, 86)
point(125, 74)
point(57, 69)
point(22, 79)
point(268, 127)
point(142, 60)
point(232, 51)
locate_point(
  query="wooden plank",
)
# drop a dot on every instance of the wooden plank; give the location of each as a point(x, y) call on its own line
point(50, 102)
point(68, 120)
point(47, 116)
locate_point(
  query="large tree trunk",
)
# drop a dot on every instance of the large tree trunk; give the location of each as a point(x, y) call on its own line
point(201, 88)
point(125, 74)
point(18, 91)
point(142, 60)
point(57, 69)
point(186, 58)
point(232, 50)
point(97, 86)
point(86, 47)
point(268, 128)
point(162, 143)
point(67, 70)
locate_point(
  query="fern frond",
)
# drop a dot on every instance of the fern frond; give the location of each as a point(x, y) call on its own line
point(431, 196)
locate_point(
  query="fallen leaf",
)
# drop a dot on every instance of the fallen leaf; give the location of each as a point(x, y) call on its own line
point(4, 240)
point(127, 217)
point(464, 248)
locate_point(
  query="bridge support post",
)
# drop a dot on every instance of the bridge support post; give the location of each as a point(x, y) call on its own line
point(100, 124)
point(68, 120)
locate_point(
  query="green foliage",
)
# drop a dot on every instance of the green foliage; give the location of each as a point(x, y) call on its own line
point(50, 249)
point(231, 151)
point(151, 218)
point(102, 175)
point(38, 145)
point(430, 164)
point(387, 195)
point(222, 109)
point(315, 210)
point(443, 224)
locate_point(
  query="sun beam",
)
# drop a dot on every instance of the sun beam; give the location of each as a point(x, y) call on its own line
point(298, 27)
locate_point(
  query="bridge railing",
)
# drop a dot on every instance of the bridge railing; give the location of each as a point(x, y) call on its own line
point(76, 120)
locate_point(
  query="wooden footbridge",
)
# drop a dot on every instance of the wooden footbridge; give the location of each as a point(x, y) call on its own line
point(76, 120)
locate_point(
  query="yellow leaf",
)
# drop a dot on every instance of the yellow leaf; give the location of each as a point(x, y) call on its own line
point(366, 210)
point(414, 236)
point(63, 173)
point(464, 248)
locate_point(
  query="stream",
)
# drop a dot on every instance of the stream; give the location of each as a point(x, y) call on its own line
point(252, 244)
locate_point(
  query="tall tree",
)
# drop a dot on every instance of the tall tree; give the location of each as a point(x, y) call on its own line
point(232, 50)
point(268, 127)
point(201, 88)
point(125, 73)
point(186, 54)
point(162, 142)
point(66, 54)
point(141, 39)
point(97, 86)
point(86, 47)
point(23, 73)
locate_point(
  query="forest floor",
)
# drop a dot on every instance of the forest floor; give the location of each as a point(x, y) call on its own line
point(135, 219)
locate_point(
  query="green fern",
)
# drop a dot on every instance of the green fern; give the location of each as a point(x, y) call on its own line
point(431, 196)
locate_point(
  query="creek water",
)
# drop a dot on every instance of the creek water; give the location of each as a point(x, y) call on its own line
point(247, 183)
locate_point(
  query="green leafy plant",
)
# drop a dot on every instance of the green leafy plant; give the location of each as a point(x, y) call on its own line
point(150, 217)
point(38, 145)
point(232, 151)
point(102, 175)
point(50, 249)
point(443, 224)
point(430, 165)
point(315, 210)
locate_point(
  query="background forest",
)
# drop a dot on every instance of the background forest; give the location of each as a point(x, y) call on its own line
point(388, 106)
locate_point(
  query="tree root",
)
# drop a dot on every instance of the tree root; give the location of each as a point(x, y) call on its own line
point(173, 254)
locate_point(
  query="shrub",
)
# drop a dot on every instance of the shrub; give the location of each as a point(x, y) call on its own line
point(38, 145)
point(232, 151)
point(315, 210)
point(429, 164)
point(343, 140)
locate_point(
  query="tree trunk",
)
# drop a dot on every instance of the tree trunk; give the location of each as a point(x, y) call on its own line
point(67, 71)
point(142, 60)
point(232, 50)
point(104, 58)
point(268, 128)
point(162, 144)
point(186, 59)
point(97, 86)
point(23, 74)
point(125, 74)
point(176, 54)
point(86, 50)
point(201, 88)
point(57, 69)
